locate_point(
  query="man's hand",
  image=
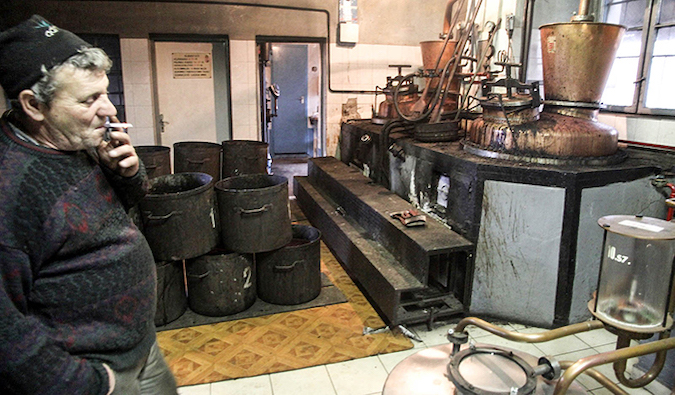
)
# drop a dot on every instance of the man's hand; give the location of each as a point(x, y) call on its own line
point(118, 154)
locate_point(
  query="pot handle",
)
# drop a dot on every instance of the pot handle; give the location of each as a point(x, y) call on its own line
point(287, 268)
point(197, 162)
point(199, 276)
point(150, 217)
point(258, 210)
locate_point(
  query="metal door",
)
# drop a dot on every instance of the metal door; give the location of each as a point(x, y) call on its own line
point(290, 132)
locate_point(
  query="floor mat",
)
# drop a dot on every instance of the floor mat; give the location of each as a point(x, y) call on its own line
point(330, 294)
point(280, 342)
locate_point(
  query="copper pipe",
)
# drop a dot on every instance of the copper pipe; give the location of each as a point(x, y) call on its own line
point(584, 7)
point(599, 377)
point(611, 356)
point(530, 337)
point(447, 22)
point(649, 376)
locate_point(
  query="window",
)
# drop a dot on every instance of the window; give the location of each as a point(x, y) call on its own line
point(641, 80)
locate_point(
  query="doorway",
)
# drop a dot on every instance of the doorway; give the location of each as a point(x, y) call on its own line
point(193, 95)
point(292, 98)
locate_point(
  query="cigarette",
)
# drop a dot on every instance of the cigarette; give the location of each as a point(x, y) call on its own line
point(122, 125)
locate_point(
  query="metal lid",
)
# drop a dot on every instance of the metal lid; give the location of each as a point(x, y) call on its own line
point(638, 227)
point(491, 371)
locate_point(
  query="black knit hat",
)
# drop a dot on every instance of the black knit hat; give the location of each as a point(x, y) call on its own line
point(26, 47)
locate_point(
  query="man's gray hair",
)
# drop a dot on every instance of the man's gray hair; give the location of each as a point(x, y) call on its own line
point(92, 59)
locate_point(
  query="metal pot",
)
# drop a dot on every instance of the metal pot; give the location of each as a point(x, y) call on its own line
point(197, 157)
point(254, 212)
point(221, 283)
point(156, 158)
point(292, 274)
point(241, 157)
point(179, 216)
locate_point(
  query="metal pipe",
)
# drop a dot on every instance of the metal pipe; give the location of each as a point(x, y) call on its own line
point(526, 37)
point(447, 21)
point(650, 375)
point(530, 337)
point(611, 356)
point(584, 6)
point(599, 377)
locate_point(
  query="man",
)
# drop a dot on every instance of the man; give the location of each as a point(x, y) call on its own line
point(77, 292)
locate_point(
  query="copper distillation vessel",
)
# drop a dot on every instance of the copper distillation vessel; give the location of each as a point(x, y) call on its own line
point(634, 300)
point(577, 57)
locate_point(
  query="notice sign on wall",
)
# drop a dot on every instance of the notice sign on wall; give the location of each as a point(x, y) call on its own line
point(191, 65)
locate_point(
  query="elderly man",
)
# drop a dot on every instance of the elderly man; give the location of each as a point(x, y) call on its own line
point(77, 292)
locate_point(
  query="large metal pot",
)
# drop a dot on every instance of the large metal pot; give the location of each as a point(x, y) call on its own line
point(156, 158)
point(197, 157)
point(179, 216)
point(241, 157)
point(221, 283)
point(292, 274)
point(254, 212)
point(171, 298)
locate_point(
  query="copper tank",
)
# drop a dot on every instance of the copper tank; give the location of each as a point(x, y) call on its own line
point(577, 59)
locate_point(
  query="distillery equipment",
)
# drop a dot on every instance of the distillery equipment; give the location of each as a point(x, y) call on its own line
point(634, 300)
point(408, 94)
point(577, 57)
point(635, 286)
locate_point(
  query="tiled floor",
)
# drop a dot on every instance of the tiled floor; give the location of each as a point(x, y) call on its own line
point(366, 376)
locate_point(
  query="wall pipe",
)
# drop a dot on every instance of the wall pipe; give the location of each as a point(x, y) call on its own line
point(272, 6)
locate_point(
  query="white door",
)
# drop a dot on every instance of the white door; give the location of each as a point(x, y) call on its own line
point(185, 90)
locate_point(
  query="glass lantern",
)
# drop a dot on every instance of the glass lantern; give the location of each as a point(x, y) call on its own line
point(635, 285)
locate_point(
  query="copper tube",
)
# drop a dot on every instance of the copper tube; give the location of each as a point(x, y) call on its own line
point(599, 377)
point(620, 366)
point(611, 356)
point(530, 337)
point(447, 22)
point(584, 7)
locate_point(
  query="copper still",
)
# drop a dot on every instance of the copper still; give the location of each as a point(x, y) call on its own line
point(577, 58)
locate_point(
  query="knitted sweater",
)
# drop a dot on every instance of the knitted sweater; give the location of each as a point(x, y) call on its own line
point(78, 282)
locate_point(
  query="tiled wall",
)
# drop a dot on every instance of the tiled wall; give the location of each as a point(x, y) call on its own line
point(650, 130)
point(244, 77)
point(138, 93)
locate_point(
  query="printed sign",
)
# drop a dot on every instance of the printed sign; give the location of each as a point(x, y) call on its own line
point(191, 65)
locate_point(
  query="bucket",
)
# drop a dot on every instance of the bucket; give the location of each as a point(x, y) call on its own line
point(221, 284)
point(179, 218)
point(292, 274)
point(254, 212)
point(171, 298)
point(156, 158)
point(577, 58)
point(197, 157)
point(241, 157)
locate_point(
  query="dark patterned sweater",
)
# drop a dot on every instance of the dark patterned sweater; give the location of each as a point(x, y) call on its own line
point(78, 282)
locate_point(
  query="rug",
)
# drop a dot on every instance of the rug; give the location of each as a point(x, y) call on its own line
point(283, 341)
